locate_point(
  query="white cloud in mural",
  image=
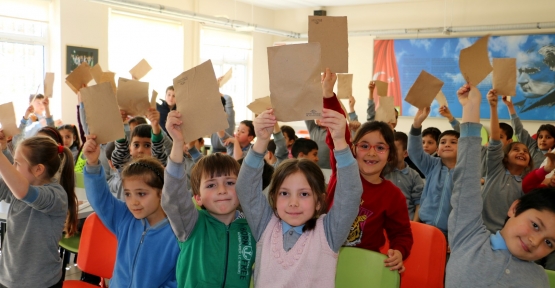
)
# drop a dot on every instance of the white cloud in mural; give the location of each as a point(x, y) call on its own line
point(509, 46)
point(421, 43)
point(544, 40)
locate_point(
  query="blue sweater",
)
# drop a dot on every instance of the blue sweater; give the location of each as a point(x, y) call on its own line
point(146, 255)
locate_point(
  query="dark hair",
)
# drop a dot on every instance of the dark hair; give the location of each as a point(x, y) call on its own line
point(433, 132)
point(35, 96)
point(109, 149)
point(76, 143)
point(248, 123)
point(314, 177)
point(508, 129)
point(141, 131)
point(272, 146)
point(52, 133)
point(549, 129)
point(43, 150)
point(137, 120)
point(401, 137)
point(289, 131)
point(169, 88)
point(449, 133)
point(267, 172)
point(507, 148)
point(213, 165)
point(541, 199)
point(387, 134)
point(223, 101)
point(149, 169)
point(303, 145)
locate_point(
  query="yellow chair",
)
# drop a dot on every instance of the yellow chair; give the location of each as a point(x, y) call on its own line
point(358, 267)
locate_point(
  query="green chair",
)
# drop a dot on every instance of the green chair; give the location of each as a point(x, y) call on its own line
point(79, 180)
point(551, 277)
point(68, 246)
point(358, 267)
point(485, 136)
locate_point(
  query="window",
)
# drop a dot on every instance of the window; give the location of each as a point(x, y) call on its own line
point(134, 37)
point(230, 50)
point(23, 44)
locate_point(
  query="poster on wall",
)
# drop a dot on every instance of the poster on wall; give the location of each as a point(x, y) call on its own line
point(399, 62)
point(77, 55)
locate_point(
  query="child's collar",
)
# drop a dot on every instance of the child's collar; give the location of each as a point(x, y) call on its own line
point(497, 241)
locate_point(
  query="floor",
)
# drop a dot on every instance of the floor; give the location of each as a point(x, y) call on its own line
point(73, 273)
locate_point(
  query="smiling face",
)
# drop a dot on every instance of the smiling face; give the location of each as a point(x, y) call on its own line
point(142, 200)
point(518, 156)
point(447, 148)
point(371, 160)
point(140, 147)
point(529, 236)
point(545, 140)
point(296, 203)
point(218, 197)
point(429, 144)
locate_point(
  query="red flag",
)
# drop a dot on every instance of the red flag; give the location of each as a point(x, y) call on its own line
point(385, 69)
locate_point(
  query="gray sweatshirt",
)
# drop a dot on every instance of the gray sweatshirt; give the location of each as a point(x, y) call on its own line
point(30, 256)
point(473, 261)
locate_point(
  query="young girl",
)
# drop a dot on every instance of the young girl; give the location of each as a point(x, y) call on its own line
point(505, 165)
point(70, 136)
point(545, 136)
point(40, 190)
point(294, 217)
point(540, 177)
point(383, 205)
point(147, 248)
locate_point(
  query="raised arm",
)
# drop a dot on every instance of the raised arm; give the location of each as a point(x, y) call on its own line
point(371, 108)
point(445, 112)
point(419, 157)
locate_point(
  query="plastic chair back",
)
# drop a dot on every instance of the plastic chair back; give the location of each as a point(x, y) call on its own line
point(425, 266)
point(358, 267)
point(551, 277)
point(97, 250)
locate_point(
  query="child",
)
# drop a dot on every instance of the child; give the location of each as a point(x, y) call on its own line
point(140, 225)
point(70, 138)
point(545, 139)
point(434, 202)
point(239, 145)
point(318, 134)
point(36, 116)
point(277, 148)
point(382, 205)
point(227, 103)
point(406, 178)
point(505, 167)
point(537, 178)
point(270, 156)
point(430, 138)
point(479, 258)
point(290, 138)
point(217, 247)
point(305, 149)
point(298, 244)
point(40, 190)
point(167, 105)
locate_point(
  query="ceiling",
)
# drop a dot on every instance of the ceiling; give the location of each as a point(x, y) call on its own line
point(295, 4)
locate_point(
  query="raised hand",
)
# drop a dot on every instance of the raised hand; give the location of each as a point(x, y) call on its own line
point(173, 126)
point(91, 150)
point(352, 102)
point(420, 116)
point(154, 117)
point(336, 123)
point(328, 81)
point(264, 125)
point(470, 98)
point(445, 112)
point(493, 98)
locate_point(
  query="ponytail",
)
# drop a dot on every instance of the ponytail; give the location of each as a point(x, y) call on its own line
point(67, 180)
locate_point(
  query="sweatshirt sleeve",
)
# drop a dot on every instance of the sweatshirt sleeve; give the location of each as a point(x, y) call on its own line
point(177, 201)
point(465, 219)
point(121, 154)
point(494, 157)
point(158, 150)
point(281, 148)
point(230, 112)
point(533, 180)
point(522, 134)
point(337, 223)
point(397, 223)
point(249, 190)
point(417, 187)
point(371, 110)
point(419, 157)
point(455, 124)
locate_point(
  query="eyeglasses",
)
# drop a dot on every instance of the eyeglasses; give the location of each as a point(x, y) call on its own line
point(379, 148)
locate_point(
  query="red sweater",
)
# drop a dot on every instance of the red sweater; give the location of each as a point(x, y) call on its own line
point(534, 180)
point(382, 206)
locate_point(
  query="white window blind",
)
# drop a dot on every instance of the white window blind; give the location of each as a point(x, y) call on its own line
point(159, 41)
point(230, 50)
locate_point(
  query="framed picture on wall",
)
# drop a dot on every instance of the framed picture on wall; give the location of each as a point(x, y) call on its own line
point(77, 55)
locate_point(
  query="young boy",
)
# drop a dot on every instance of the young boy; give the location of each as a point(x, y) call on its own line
point(167, 105)
point(430, 139)
point(217, 246)
point(239, 145)
point(305, 149)
point(434, 202)
point(478, 257)
point(406, 178)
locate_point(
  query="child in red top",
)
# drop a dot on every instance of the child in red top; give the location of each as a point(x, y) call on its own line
point(382, 205)
point(537, 179)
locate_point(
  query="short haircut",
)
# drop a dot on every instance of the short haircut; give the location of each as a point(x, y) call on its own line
point(35, 96)
point(213, 165)
point(432, 132)
point(450, 133)
point(248, 123)
point(289, 131)
point(141, 131)
point(169, 88)
point(303, 145)
point(267, 172)
point(401, 137)
point(541, 199)
point(149, 169)
point(109, 148)
point(508, 129)
point(138, 120)
point(272, 146)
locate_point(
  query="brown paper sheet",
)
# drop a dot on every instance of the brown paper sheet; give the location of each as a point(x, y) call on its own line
point(48, 84)
point(344, 86)
point(441, 99)
point(133, 97)
point(8, 120)
point(331, 33)
point(474, 62)
point(96, 72)
point(382, 87)
point(102, 113)
point(153, 99)
point(197, 96)
point(260, 105)
point(504, 76)
point(140, 70)
point(79, 77)
point(424, 90)
point(386, 111)
point(295, 88)
point(226, 77)
point(109, 77)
